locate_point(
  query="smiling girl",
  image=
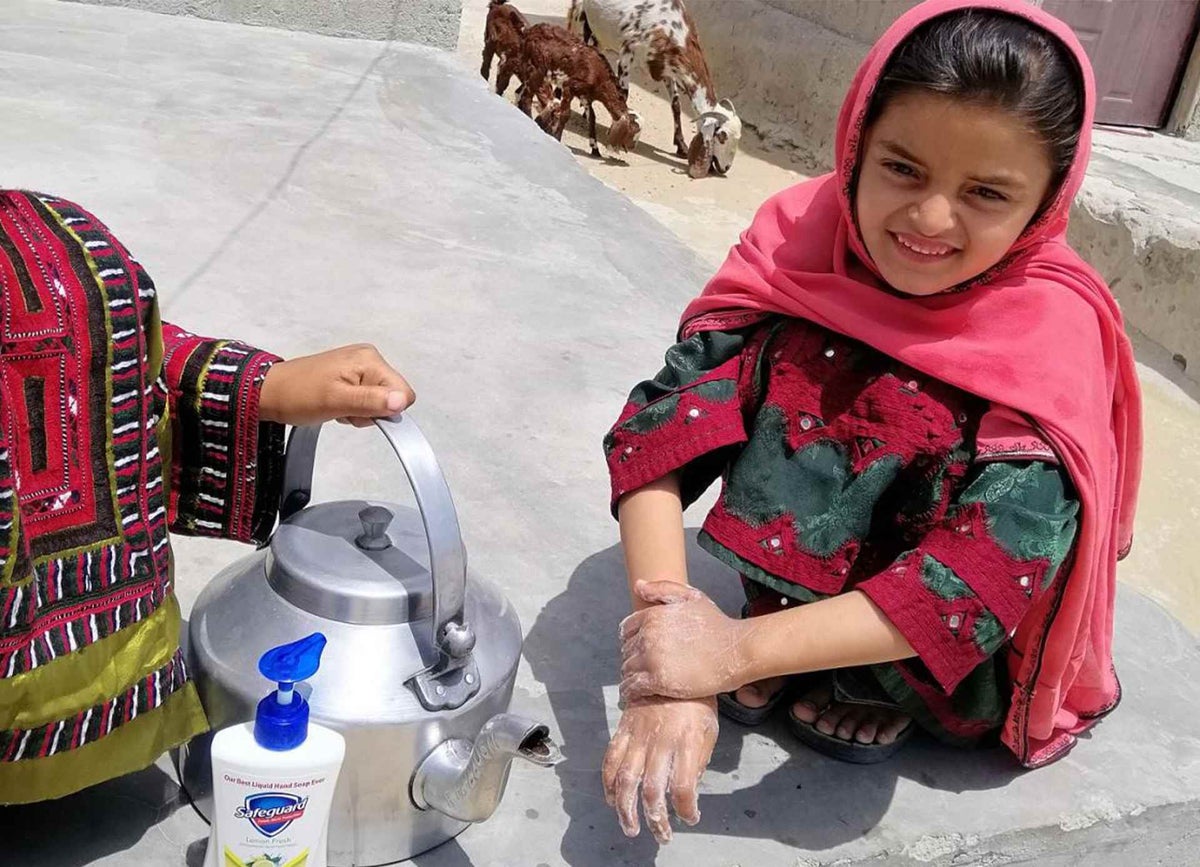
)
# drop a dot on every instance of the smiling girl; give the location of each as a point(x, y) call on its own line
point(925, 414)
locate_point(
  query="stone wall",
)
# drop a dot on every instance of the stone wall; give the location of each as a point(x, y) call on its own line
point(1185, 119)
point(786, 63)
point(431, 22)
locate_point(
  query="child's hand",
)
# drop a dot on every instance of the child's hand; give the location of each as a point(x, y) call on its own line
point(353, 384)
point(683, 646)
point(662, 746)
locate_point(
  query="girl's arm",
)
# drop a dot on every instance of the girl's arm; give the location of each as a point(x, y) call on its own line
point(838, 632)
point(652, 535)
point(685, 645)
point(953, 601)
point(661, 745)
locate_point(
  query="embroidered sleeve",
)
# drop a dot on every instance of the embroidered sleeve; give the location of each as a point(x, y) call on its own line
point(960, 594)
point(684, 417)
point(225, 465)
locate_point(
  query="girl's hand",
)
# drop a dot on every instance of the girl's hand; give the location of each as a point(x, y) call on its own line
point(662, 746)
point(353, 384)
point(683, 646)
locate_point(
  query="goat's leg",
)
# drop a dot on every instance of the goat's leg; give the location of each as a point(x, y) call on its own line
point(681, 148)
point(489, 51)
point(504, 75)
point(624, 64)
point(591, 119)
point(531, 83)
point(562, 112)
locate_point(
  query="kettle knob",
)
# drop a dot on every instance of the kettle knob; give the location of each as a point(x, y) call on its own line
point(458, 640)
point(375, 521)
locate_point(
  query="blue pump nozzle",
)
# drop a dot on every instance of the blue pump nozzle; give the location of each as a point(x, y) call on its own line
point(281, 722)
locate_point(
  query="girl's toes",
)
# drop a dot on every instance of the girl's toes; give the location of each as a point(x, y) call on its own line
point(810, 705)
point(867, 729)
point(848, 727)
point(832, 717)
point(890, 730)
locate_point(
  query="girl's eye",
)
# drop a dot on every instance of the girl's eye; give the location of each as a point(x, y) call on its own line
point(990, 194)
point(902, 169)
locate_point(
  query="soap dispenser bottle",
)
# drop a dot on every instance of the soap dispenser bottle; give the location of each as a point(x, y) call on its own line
point(273, 779)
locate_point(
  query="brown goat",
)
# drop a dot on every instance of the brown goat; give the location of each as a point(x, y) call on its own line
point(584, 74)
point(503, 36)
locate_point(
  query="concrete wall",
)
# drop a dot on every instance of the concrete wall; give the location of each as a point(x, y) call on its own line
point(1185, 119)
point(431, 22)
point(786, 63)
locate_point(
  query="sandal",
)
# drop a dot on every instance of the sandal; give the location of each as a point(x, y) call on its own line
point(852, 686)
point(729, 706)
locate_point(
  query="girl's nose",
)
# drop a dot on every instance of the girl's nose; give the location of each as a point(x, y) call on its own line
point(932, 216)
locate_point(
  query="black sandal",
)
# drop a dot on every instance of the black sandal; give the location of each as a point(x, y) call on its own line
point(729, 706)
point(855, 687)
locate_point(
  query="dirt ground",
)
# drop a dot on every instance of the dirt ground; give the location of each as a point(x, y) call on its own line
point(707, 214)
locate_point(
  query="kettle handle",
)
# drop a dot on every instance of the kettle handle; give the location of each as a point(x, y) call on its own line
point(447, 557)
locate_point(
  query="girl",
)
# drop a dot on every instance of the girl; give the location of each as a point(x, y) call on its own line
point(117, 427)
point(926, 416)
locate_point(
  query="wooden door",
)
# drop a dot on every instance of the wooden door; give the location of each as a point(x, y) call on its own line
point(1138, 49)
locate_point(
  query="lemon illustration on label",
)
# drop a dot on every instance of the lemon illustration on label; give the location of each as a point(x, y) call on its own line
point(232, 860)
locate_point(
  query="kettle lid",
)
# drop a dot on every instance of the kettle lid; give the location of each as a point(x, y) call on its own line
point(354, 561)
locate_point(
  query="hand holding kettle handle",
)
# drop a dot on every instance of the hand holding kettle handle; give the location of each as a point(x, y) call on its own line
point(447, 557)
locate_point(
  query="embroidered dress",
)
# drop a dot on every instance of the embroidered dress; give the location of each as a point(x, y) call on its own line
point(844, 469)
point(117, 428)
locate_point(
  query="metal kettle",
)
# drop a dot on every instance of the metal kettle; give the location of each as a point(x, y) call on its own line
point(418, 672)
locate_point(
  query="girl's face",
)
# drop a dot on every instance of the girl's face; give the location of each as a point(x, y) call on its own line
point(945, 188)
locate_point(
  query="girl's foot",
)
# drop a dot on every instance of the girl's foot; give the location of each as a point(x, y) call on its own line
point(864, 724)
point(754, 703)
point(759, 693)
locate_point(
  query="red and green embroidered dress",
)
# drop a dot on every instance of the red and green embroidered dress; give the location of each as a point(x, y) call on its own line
point(117, 429)
point(843, 469)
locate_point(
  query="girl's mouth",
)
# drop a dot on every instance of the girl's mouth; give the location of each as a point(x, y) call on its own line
point(923, 250)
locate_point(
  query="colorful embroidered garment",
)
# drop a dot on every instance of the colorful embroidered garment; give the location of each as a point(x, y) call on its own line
point(116, 429)
point(1039, 333)
point(844, 469)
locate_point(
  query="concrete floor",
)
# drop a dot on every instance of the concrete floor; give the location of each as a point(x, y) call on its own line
point(302, 192)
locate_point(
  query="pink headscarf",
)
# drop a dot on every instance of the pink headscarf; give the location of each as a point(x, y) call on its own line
point(1040, 333)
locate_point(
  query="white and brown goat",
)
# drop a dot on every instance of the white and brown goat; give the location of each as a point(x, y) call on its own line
point(662, 33)
point(550, 53)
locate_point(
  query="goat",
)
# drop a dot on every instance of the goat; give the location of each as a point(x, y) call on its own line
point(582, 73)
point(664, 34)
point(503, 35)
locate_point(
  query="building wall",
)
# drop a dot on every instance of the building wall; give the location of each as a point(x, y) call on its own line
point(1185, 119)
point(431, 22)
point(786, 63)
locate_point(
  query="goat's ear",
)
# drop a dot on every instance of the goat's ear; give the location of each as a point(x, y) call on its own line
point(700, 155)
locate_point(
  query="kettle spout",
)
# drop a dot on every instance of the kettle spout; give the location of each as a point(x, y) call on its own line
point(465, 781)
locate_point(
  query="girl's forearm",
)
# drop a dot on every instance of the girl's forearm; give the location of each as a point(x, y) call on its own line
point(652, 534)
point(837, 632)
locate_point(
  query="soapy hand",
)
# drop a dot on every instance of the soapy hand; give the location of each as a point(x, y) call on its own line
point(662, 746)
point(353, 384)
point(683, 646)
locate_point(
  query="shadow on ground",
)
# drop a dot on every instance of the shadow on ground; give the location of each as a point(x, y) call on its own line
point(800, 799)
point(108, 819)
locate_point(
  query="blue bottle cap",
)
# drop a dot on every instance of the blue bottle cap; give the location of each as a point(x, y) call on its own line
point(281, 722)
